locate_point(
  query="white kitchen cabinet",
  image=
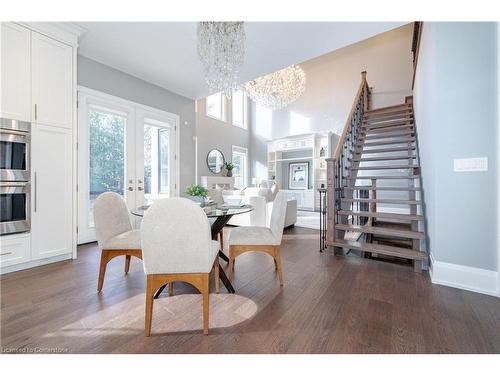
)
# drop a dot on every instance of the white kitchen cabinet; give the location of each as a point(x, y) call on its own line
point(52, 199)
point(52, 81)
point(14, 249)
point(15, 72)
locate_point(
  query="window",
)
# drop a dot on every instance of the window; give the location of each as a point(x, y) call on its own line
point(240, 171)
point(299, 124)
point(263, 121)
point(216, 106)
point(240, 109)
point(156, 160)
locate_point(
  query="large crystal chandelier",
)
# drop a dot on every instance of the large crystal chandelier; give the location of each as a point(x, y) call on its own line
point(278, 89)
point(221, 49)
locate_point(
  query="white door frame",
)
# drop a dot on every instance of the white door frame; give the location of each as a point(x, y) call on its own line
point(133, 111)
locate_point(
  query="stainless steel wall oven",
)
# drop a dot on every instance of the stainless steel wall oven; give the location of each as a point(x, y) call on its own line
point(15, 187)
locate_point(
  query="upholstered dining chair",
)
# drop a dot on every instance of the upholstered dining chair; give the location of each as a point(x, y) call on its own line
point(177, 245)
point(263, 239)
point(115, 236)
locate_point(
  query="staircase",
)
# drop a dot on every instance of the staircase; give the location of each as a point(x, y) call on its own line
point(374, 204)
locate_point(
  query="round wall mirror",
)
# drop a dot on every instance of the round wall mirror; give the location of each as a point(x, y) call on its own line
point(215, 161)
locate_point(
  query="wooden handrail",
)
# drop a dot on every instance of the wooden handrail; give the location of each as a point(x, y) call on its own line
point(348, 122)
point(339, 164)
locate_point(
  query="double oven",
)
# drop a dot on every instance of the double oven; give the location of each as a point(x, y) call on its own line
point(15, 184)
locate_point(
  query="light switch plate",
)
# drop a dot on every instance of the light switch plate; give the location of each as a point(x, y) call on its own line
point(470, 165)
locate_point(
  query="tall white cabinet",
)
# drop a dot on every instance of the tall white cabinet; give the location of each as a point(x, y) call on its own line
point(15, 99)
point(38, 85)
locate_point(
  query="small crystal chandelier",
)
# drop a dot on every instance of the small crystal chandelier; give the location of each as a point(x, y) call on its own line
point(221, 49)
point(278, 89)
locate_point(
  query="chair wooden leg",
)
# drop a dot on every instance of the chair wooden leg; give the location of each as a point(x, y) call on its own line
point(221, 239)
point(127, 263)
point(277, 260)
point(275, 264)
point(171, 289)
point(230, 264)
point(149, 305)
point(216, 274)
point(102, 269)
point(205, 292)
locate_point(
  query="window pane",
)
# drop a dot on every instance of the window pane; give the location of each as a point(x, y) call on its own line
point(239, 159)
point(215, 106)
point(156, 162)
point(106, 156)
point(238, 109)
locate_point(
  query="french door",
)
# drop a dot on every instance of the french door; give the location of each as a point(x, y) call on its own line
point(125, 148)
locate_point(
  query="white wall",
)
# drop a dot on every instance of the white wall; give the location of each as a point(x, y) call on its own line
point(455, 99)
point(333, 79)
point(332, 82)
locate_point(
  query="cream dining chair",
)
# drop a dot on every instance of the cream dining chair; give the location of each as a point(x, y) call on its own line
point(263, 239)
point(115, 236)
point(177, 246)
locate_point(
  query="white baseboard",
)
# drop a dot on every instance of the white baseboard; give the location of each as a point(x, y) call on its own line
point(34, 263)
point(463, 277)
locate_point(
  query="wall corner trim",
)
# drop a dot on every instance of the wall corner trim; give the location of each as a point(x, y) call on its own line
point(463, 277)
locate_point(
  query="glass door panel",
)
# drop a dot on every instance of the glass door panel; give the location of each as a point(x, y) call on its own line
point(106, 156)
point(156, 165)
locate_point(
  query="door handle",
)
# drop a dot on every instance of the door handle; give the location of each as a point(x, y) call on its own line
point(36, 111)
point(140, 188)
point(130, 188)
point(7, 253)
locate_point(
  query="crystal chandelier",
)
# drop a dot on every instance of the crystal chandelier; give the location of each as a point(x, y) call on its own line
point(278, 89)
point(221, 49)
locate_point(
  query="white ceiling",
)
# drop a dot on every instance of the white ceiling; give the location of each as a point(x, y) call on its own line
point(164, 53)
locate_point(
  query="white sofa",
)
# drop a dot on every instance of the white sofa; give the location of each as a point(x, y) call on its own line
point(261, 200)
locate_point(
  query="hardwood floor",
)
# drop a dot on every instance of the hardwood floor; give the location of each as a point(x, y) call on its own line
point(329, 304)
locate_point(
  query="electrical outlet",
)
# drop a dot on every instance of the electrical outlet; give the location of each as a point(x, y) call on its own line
point(470, 165)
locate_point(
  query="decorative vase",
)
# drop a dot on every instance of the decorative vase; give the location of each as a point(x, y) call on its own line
point(198, 199)
point(229, 173)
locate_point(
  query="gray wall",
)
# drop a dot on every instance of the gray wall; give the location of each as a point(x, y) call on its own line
point(222, 135)
point(456, 115)
point(103, 78)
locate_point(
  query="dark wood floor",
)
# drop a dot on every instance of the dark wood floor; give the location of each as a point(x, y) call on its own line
point(329, 304)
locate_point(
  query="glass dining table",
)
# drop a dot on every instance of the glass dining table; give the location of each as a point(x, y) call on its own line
point(222, 214)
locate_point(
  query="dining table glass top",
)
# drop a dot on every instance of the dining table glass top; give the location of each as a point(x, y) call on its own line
point(212, 210)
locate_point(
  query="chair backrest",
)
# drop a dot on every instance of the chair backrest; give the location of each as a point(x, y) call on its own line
point(111, 217)
point(278, 214)
point(176, 238)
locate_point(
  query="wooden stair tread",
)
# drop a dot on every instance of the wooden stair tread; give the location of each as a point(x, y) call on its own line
point(378, 200)
point(385, 125)
point(382, 177)
point(391, 116)
point(379, 167)
point(400, 128)
point(368, 137)
point(382, 158)
point(383, 231)
point(387, 122)
point(392, 149)
point(385, 143)
point(381, 215)
point(381, 188)
point(399, 252)
point(392, 107)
